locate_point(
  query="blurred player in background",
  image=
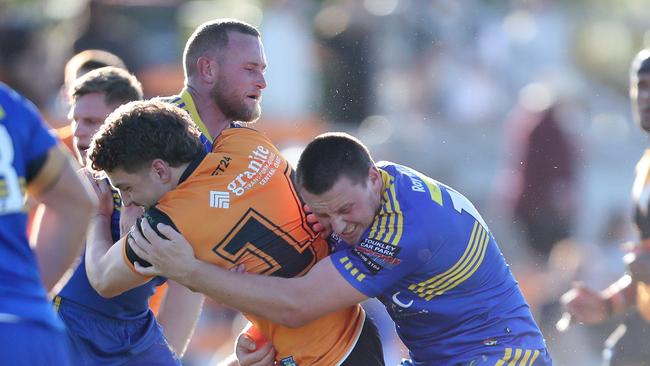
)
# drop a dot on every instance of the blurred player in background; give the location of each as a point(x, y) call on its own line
point(32, 162)
point(78, 65)
point(120, 330)
point(630, 295)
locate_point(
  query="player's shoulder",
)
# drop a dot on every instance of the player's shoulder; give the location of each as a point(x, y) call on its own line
point(12, 102)
point(243, 138)
point(172, 99)
point(407, 184)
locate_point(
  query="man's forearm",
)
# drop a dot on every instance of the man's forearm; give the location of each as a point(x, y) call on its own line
point(268, 297)
point(107, 272)
point(98, 242)
point(178, 314)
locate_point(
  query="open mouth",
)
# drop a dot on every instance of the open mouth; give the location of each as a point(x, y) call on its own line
point(348, 232)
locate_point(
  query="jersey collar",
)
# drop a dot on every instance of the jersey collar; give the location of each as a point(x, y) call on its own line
point(190, 107)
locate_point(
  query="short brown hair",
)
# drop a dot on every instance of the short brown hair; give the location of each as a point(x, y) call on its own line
point(88, 60)
point(139, 132)
point(212, 36)
point(118, 85)
point(329, 157)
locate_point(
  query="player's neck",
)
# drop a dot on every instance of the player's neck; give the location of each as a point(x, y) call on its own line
point(176, 174)
point(213, 118)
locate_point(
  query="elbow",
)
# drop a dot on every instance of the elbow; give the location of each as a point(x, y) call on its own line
point(106, 291)
point(103, 288)
point(295, 316)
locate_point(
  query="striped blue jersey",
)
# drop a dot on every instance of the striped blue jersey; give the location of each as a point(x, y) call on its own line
point(23, 139)
point(130, 305)
point(134, 303)
point(431, 260)
point(184, 101)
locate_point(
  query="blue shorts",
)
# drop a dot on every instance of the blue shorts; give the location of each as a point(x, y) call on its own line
point(99, 340)
point(526, 357)
point(25, 343)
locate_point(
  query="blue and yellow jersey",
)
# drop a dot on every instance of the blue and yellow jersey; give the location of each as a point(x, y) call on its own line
point(430, 258)
point(184, 101)
point(130, 305)
point(134, 303)
point(24, 142)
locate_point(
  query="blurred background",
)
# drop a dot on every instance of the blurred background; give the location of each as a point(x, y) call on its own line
point(520, 105)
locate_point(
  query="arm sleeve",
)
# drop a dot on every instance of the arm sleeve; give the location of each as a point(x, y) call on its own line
point(40, 138)
point(373, 266)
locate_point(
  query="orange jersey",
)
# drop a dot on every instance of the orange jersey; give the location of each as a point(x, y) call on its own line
point(238, 205)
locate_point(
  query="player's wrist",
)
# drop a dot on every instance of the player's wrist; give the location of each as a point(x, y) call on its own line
point(191, 270)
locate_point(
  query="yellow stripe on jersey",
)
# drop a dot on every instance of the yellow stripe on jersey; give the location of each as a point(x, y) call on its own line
point(187, 103)
point(524, 360)
point(434, 189)
point(469, 262)
point(350, 267)
point(57, 303)
point(375, 224)
point(516, 358)
point(399, 218)
point(50, 172)
point(2, 112)
point(513, 361)
point(388, 228)
point(532, 359)
point(506, 357)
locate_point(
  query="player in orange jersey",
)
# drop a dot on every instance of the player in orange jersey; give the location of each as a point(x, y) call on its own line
point(91, 320)
point(236, 205)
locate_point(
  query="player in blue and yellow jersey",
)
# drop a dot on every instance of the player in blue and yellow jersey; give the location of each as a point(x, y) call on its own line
point(120, 330)
point(224, 77)
point(414, 243)
point(237, 205)
point(32, 162)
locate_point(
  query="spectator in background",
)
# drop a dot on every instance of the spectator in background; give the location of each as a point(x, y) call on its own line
point(540, 187)
point(630, 295)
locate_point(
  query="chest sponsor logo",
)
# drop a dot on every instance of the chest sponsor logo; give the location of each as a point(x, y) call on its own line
point(221, 167)
point(399, 303)
point(219, 199)
point(399, 307)
point(262, 165)
point(377, 255)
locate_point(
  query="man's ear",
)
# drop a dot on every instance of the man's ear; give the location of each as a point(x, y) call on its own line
point(161, 170)
point(375, 180)
point(207, 69)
